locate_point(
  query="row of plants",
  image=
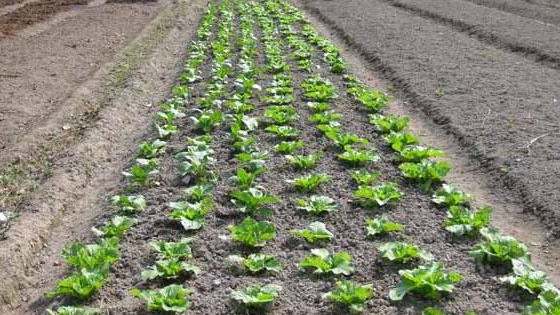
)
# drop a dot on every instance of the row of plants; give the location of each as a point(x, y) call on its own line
point(417, 163)
point(248, 198)
point(90, 263)
point(196, 163)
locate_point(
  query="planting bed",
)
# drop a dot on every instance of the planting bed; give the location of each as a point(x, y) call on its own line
point(257, 79)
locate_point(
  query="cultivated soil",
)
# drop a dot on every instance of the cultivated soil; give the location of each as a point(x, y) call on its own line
point(496, 94)
point(483, 87)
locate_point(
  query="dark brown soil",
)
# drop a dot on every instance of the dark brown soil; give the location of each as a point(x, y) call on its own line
point(480, 292)
point(493, 97)
point(131, 1)
point(4, 3)
point(32, 13)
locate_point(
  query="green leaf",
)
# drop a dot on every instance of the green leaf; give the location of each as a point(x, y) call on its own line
point(399, 140)
point(288, 147)
point(357, 156)
point(316, 232)
point(425, 173)
point(547, 303)
point(253, 233)
point(303, 162)
point(364, 177)
point(172, 298)
point(283, 132)
point(403, 252)
point(129, 204)
point(498, 249)
point(382, 226)
point(428, 281)
point(343, 139)
point(115, 227)
point(378, 196)
point(448, 195)
point(386, 124)
point(256, 296)
point(351, 295)
point(417, 153)
point(317, 204)
point(463, 221)
point(73, 310)
point(253, 201)
point(310, 182)
point(256, 263)
point(191, 215)
point(525, 277)
point(321, 261)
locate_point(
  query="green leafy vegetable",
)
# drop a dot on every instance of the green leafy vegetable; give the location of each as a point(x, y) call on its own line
point(547, 303)
point(416, 153)
point(310, 182)
point(448, 195)
point(382, 226)
point(378, 196)
point(302, 162)
point(399, 140)
point(172, 298)
point(525, 277)
point(498, 249)
point(73, 310)
point(253, 233)
point(403, 252)
point(350, 295)
point(428, 281)
point(256, 296)
point(288, 147)
point(364, 177)
point(357, 156)
point(253, 201)
point(283, 132)
point(317, 204)
point(316, 232)
point(129, 204)
point(321, 261)
point(463, 221)
point(191, 215)
point(386, 124)
point(256, 263)
point(115, 227)
point(343, 139)
point(425, 173)
point(149, 150)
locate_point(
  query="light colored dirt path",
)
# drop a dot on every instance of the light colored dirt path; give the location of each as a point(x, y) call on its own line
point(72, 199)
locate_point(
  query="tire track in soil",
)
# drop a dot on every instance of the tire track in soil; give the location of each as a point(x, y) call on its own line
point(534, 53)
point(515, 184)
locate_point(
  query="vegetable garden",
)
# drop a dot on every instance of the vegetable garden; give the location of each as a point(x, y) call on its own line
point(275, 183)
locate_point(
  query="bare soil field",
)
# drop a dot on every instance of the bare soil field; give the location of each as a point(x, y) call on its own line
point(80, 86)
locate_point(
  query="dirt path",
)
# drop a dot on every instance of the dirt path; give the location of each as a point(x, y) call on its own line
point(493, 101)
point(71, 199)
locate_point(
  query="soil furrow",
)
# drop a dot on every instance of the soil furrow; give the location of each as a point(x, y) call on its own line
point(527, 38)
point(422, 60)
point(522, 8)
